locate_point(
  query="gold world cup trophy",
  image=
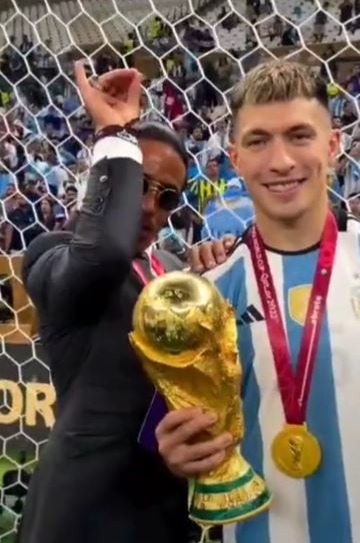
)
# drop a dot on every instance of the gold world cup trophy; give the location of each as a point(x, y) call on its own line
point(185, 334)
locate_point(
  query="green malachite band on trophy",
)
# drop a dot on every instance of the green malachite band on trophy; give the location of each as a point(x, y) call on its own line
point(218, 488)
point(222, 516)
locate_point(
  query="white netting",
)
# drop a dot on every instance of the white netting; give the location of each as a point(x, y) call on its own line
point(191, 53)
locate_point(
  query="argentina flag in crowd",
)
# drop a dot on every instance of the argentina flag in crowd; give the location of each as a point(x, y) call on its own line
point(230, 213)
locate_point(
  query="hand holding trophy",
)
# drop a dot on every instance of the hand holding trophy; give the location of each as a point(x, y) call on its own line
point(185, 334)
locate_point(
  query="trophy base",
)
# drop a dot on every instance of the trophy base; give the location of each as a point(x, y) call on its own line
point(221, 498)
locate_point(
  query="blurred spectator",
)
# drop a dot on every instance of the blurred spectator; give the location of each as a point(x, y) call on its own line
point(204, 188)
point(321, 19)
point(276, 30)
point(290, 36)
point(173, 103)
point(51, 214)
point(255, 5)
point(197, 143)
point(330, 62)
point(10, 199)
point(70, 197)
point(26, 45)
point(84, 155)
point(23, 225)
point(337, 102)
point(346, 11)
point(354, 204)
point(354, 80)
point(8, 154)
point(230, 213)
point(44, 163)
point(356, 14)
point(349, 115)
point(352, 171)
point(219, 141)
point(56, 176)
point(35, 189)
point(345, 139)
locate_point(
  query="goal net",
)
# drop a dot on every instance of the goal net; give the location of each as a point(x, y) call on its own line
point(191, 53)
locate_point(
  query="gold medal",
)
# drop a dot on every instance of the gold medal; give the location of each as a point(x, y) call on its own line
point(296, 452)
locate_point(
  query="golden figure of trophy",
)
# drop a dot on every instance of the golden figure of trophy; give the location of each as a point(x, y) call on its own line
point(185, 334)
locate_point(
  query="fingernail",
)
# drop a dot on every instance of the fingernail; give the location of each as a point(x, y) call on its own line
point(221, 259)
point(211, 264)
point(229, 440)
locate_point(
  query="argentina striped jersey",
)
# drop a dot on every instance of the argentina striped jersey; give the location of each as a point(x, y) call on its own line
point(324, 508)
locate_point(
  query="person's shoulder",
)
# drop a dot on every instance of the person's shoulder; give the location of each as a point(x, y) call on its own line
point(230, 278)
point(41, 244)
point(235, 259)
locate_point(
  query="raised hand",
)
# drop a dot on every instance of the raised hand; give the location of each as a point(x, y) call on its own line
point(114, 99)
point(205, 256)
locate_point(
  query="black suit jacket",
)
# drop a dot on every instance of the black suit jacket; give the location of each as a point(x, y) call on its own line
point(94, 484)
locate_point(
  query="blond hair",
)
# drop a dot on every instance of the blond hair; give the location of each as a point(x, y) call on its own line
point(278, 81)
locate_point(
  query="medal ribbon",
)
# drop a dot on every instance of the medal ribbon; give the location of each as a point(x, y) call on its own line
point(155, 267)
point(294, 387)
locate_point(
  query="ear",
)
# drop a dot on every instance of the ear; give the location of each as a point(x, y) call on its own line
point(235, 158)
point(334, 147)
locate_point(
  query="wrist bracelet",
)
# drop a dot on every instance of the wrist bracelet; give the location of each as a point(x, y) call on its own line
point(114, 130)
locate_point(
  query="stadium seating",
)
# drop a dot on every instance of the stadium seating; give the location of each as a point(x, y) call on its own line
point(288, 9)
point(83, 28)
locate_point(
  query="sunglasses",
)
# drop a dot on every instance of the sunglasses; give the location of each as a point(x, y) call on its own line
point(168, 198)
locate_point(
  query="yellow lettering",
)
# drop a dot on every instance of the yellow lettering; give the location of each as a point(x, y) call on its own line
point(32, 400)
point(13, 401)
point(40, 399)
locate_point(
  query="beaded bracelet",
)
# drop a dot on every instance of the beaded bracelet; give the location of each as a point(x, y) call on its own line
point(114, 130)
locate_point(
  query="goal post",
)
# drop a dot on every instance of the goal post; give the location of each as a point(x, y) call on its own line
point(191, 53)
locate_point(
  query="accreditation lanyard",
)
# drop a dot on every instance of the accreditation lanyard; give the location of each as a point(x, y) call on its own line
point(294, 386)
point(156, 269)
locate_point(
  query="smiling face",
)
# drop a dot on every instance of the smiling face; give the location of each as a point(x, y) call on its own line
point(284, 150)
point(283, 142)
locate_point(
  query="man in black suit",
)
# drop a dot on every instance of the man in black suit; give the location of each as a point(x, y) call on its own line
point(94, 483)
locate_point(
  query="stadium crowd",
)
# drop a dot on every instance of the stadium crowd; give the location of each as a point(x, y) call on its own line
point(46, 137)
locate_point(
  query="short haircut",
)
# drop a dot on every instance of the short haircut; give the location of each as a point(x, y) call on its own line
point(278, 81)
point(164, 134)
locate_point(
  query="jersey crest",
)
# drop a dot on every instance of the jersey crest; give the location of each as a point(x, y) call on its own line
point(298, 301)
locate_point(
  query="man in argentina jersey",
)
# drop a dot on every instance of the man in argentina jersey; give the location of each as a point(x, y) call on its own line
point(326, 506)
point(283, 148)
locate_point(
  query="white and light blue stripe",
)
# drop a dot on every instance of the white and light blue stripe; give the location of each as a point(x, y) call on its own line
point(326, 506)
